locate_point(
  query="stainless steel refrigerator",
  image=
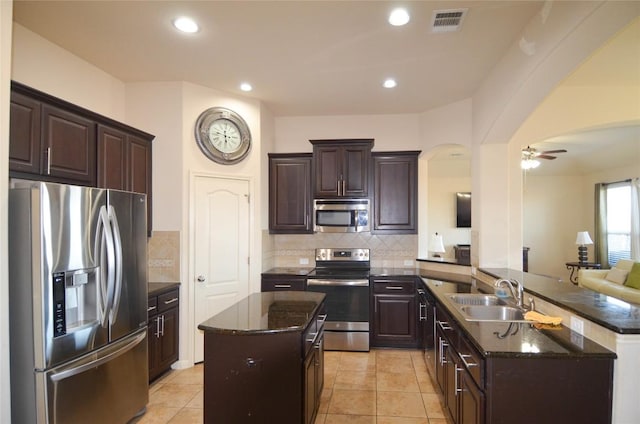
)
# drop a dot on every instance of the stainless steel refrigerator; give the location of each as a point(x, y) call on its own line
point(78, 304)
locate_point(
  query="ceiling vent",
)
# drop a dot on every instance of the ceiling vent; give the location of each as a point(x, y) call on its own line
point(447, 20)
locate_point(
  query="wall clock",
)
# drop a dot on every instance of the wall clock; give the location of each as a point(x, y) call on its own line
point(222, 135)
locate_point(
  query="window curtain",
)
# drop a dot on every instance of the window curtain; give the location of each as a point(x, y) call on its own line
point(600, 243)
point(635, 219)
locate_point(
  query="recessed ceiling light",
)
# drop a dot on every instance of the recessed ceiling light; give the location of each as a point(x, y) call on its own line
point(185, 24)
point(399, 17)
point(245, 86)
point(389, 83)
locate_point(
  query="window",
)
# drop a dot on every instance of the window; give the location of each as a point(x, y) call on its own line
point(618, 222)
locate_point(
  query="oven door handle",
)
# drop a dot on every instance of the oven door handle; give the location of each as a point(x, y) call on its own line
point(353, 283)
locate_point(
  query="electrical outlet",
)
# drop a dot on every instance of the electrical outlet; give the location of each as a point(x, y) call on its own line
point(304, 261)
point(577, 325)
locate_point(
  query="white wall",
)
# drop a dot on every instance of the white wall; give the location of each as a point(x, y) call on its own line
point(45, 66)
point(564, 34)
point(6, 15)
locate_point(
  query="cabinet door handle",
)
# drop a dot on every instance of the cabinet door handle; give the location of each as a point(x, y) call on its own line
point(455, 383)
point(338, 187)
point(442, 345)
point(423, 312)
point(282, 286)
point(157, 327)
point(170, 301)
point(48, 160)
point(151, 308)
point(467, 364)
point(344, 187)
point(162, 326)
point(394, 288)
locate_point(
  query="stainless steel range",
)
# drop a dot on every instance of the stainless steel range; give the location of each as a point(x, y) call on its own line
point(343, 276)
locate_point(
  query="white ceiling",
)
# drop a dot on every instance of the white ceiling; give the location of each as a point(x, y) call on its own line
point(302, 57)
point(330, 57)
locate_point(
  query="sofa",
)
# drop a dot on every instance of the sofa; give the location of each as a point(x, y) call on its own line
point(610, 281)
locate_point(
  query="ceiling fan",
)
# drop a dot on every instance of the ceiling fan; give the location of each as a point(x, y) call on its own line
point(530, 156)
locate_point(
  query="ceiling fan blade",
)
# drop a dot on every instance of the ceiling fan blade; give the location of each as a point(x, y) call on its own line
point(554, 151)
point(545, 157)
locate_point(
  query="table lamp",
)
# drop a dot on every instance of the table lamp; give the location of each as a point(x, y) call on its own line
point(436, 245)
point(582, 240)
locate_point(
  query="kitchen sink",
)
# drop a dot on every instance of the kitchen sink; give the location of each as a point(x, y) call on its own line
point(491, 313)
point(475, 299)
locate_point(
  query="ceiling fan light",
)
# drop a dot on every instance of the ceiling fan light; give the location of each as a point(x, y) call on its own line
point(529, 164)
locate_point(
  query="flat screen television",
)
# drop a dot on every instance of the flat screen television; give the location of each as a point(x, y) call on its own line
point(463, 210)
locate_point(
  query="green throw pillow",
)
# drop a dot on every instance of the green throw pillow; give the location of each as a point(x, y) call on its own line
point(633, 279)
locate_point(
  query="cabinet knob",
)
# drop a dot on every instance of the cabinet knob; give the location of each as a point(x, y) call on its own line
point(201, 278)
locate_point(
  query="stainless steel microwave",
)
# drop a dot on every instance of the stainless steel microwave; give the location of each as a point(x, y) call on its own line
point(341, 215)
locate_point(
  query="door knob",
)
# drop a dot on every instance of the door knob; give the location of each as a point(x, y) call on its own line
point(201, 278)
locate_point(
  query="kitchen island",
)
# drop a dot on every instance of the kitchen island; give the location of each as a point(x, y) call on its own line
point(505, 372)
point(611, 322)
point(263, 359)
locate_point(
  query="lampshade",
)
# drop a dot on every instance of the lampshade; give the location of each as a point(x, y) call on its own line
point(436, 244)
point(583, 238)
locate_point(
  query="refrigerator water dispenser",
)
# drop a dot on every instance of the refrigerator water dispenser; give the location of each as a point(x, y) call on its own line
point(75, 300)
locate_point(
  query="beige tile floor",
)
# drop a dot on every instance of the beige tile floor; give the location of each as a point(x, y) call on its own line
point(376, 387)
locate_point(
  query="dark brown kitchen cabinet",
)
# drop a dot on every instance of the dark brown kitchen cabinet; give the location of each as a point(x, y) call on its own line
point(54, 140)
point(341, 167)
point(395, 192)
point(279, 282)
point(290, 193)
point(50, 142)
point(482, 388)
point(395, 313)
point(124, 163)
point(24, 134)
point(162, 331)
point(459, 371)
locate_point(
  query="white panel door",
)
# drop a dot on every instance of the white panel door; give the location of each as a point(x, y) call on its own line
point(221, 232)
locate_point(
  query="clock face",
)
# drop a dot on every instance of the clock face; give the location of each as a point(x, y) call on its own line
point(225, 136)
point(222, 135)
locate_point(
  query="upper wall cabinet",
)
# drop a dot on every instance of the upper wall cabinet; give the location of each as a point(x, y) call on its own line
point(395, 197)
point(290, 193)
point(341, 167)
point(53, 140)
point(124, 162)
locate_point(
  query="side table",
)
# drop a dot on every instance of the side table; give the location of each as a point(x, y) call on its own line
point(575, 266)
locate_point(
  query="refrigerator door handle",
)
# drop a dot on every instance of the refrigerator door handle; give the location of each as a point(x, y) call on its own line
point(86, 363)
point(117, 241)
point(104, 242)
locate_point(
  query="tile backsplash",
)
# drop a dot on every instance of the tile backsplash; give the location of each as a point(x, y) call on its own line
point(387, 251)
point(163, 255)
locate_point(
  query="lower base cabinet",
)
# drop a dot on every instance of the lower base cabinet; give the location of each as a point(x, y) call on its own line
point(526, 390)
point(162, 332)
point(394, 320)
point(264, 377)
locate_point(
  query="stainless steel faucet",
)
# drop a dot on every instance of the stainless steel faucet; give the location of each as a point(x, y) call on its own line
point(515, 287)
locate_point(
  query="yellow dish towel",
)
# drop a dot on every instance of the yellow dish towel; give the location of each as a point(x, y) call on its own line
point(538, 317)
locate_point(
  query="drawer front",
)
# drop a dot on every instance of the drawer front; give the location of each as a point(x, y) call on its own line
point(168, 300)
point(472, 361)
point(152, 307)
point(283, 284)
point(394, 287)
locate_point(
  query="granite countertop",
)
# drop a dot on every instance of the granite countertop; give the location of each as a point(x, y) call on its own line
point(517, 339)
point(287, 271)
point(157, 288)
point(609, 312)
point(266, 312)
